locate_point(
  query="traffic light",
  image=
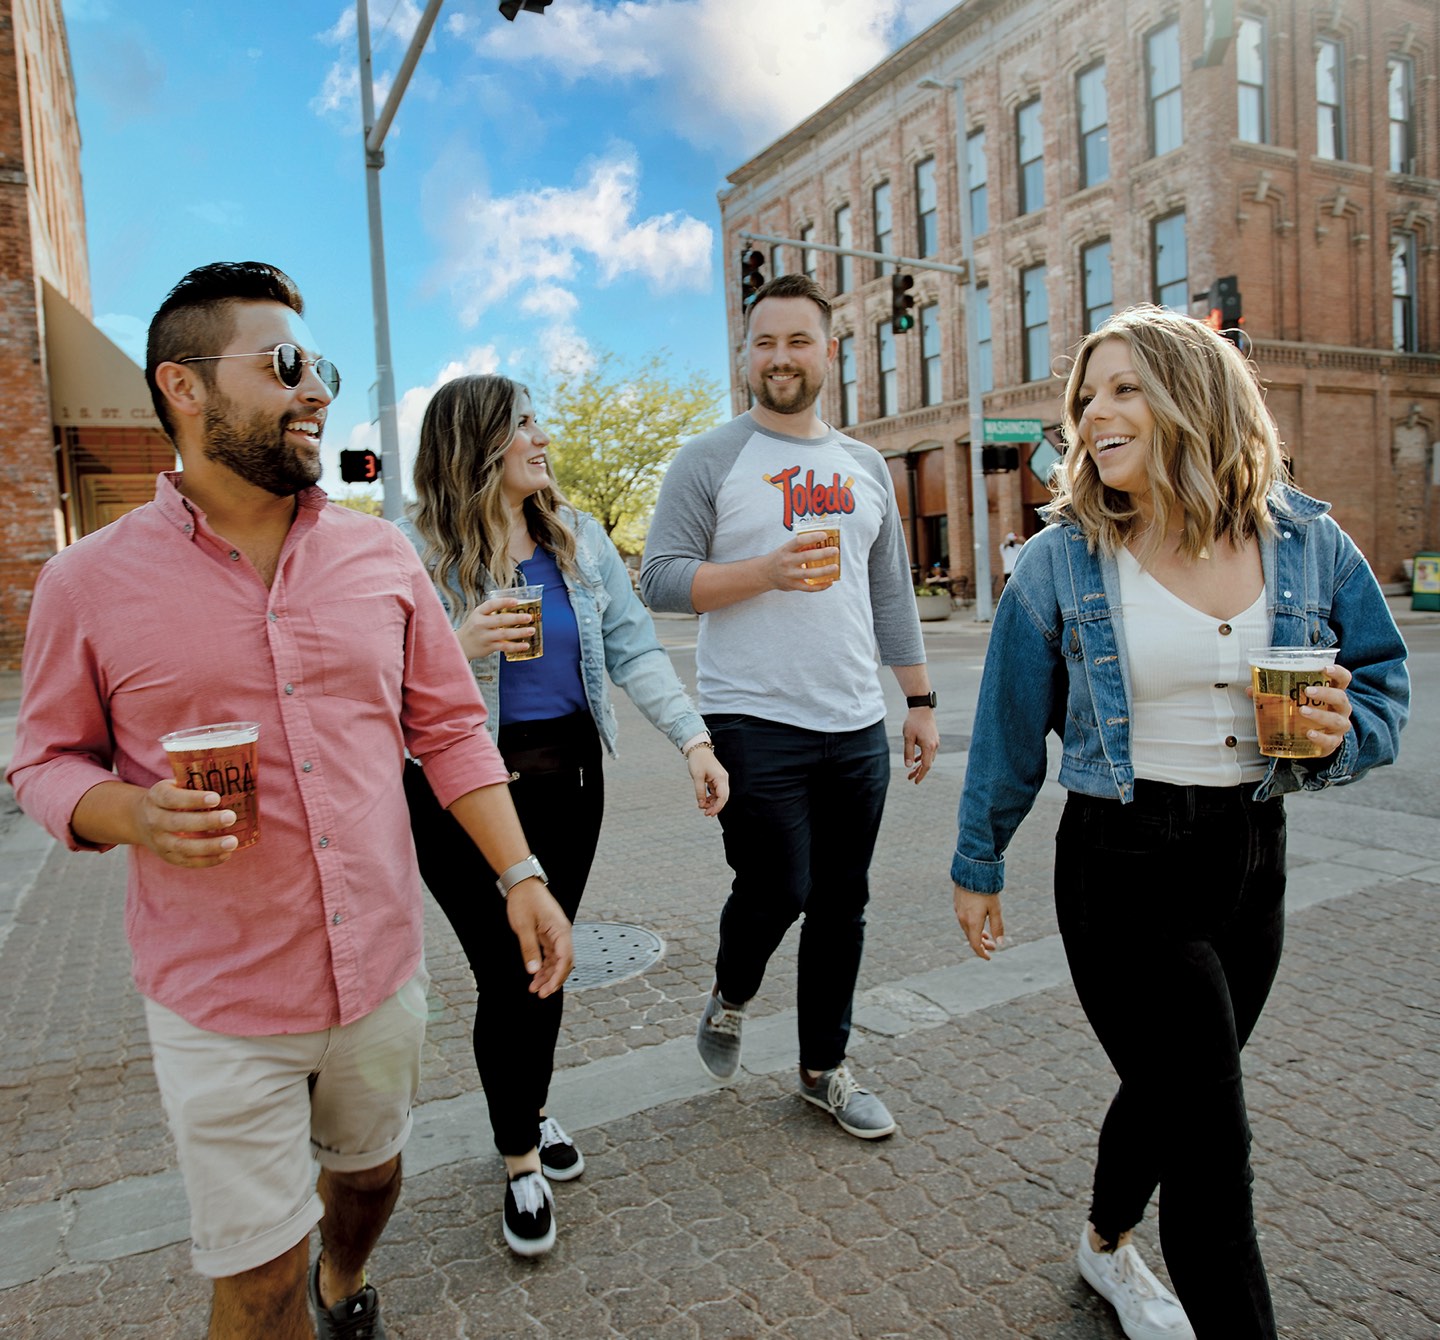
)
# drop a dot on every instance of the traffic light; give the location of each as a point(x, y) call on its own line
point(901, 303)
point(1224, 314)
point(510, 8)
point(752, 276)
point(359, 467)
point(1226, 294)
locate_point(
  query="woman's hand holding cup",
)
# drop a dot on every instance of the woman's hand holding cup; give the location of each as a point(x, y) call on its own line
point(494, 626)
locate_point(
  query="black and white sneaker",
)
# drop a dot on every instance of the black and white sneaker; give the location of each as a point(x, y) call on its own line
point(560, 1161)
point(529, 1214)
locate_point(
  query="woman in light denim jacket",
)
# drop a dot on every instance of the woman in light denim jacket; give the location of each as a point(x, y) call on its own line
point(489, 516)
point(1169, 875)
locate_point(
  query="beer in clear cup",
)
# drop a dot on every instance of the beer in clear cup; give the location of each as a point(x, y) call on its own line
point(823, 533)
point(1282, 679)
point(221, 757)
point(529, 598)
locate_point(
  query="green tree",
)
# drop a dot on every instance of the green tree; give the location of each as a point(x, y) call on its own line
point(613, 430)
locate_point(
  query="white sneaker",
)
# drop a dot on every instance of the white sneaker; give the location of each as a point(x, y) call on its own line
point(1146, 1308)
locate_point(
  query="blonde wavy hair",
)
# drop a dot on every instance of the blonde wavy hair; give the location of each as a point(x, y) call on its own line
point(1214, 452)
point(460, 510)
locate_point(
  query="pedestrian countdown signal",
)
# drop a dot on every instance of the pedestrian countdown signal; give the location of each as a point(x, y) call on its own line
point(359, 467)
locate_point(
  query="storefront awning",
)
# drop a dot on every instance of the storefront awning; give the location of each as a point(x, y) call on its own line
point(92, 380)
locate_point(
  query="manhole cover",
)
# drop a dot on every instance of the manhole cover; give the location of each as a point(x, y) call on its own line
point(609, 951)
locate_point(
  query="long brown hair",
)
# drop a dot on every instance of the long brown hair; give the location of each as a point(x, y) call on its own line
point(460, 510)
point(1214, 451)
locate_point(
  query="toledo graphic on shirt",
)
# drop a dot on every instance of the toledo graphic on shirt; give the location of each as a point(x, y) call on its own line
point(810, 499)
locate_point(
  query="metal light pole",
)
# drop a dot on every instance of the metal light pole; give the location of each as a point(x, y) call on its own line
point(979, 495)
point(374, 132)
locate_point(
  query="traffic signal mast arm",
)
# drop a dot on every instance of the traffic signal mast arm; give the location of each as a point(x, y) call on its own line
point(908, 262)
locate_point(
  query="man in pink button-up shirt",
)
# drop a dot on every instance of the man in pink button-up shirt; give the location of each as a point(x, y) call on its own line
point(241, 594)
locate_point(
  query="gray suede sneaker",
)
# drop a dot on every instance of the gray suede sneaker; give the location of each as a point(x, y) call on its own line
point(857, 1110)
point(717, 1039)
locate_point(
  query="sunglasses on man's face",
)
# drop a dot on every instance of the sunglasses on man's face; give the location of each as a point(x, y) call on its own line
point(288, 363)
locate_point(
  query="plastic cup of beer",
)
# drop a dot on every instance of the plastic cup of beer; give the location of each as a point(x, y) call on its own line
point(222, 758)
point(529, 598)
point(1282, 679)
point(823, 533)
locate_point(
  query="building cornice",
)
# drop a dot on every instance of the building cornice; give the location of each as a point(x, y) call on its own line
point(1386, 362)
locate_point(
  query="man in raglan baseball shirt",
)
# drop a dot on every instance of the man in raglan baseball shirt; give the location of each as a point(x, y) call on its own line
point(791, 638)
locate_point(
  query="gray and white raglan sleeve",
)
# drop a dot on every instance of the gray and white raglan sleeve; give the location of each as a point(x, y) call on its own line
point(892, 593)
point(682, 529)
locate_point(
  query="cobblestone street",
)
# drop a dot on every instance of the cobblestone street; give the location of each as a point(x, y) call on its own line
point(744, 1211)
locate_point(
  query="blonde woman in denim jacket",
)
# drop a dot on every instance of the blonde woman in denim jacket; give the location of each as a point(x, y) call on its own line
point(488, 516)
point(1175, 546)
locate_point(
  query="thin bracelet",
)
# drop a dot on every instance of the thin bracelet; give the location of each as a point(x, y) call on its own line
point(699, 744)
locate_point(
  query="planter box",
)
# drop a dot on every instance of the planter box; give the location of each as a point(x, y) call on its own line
point(933, 607)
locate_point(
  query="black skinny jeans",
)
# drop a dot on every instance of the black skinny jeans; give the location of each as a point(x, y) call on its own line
point(560, 798)
point(800, 828)
point(1172, 913)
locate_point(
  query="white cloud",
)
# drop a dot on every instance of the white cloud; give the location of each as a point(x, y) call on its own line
point(339, 97)
point(411, 406)
point(396, 28)
point(549, 300)
point(727, 73)
point(535, 243)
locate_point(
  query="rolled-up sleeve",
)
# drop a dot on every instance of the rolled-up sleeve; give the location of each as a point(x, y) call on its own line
point(63, 744)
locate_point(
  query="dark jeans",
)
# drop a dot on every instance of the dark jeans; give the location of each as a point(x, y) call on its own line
point(1172, 913)
point(560, 798)
point(800, 828)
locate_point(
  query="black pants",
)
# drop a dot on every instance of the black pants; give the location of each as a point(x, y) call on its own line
point(1172, 913)
point(560, 798)
point(800, 828)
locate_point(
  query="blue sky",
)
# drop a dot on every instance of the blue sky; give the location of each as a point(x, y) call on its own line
point(550, 184)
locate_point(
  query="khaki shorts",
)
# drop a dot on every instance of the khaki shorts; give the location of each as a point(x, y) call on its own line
point(250, 1117)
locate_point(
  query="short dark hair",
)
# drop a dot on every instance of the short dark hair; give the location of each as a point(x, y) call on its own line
point(793, 286)
point(196, 318)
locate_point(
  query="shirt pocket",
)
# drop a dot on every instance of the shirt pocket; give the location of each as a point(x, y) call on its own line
point(1079, 705)
point(360, 646)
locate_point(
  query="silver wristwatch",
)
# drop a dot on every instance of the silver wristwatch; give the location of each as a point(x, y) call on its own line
point(520, 870)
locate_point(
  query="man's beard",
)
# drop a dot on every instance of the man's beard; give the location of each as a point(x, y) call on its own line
point(795, 398)
point(256, 449)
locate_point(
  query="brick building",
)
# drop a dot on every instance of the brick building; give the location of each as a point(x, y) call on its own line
point(79, 443)
point(1122, 151)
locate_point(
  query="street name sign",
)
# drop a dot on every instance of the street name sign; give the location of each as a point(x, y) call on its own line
point(1012, 430)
